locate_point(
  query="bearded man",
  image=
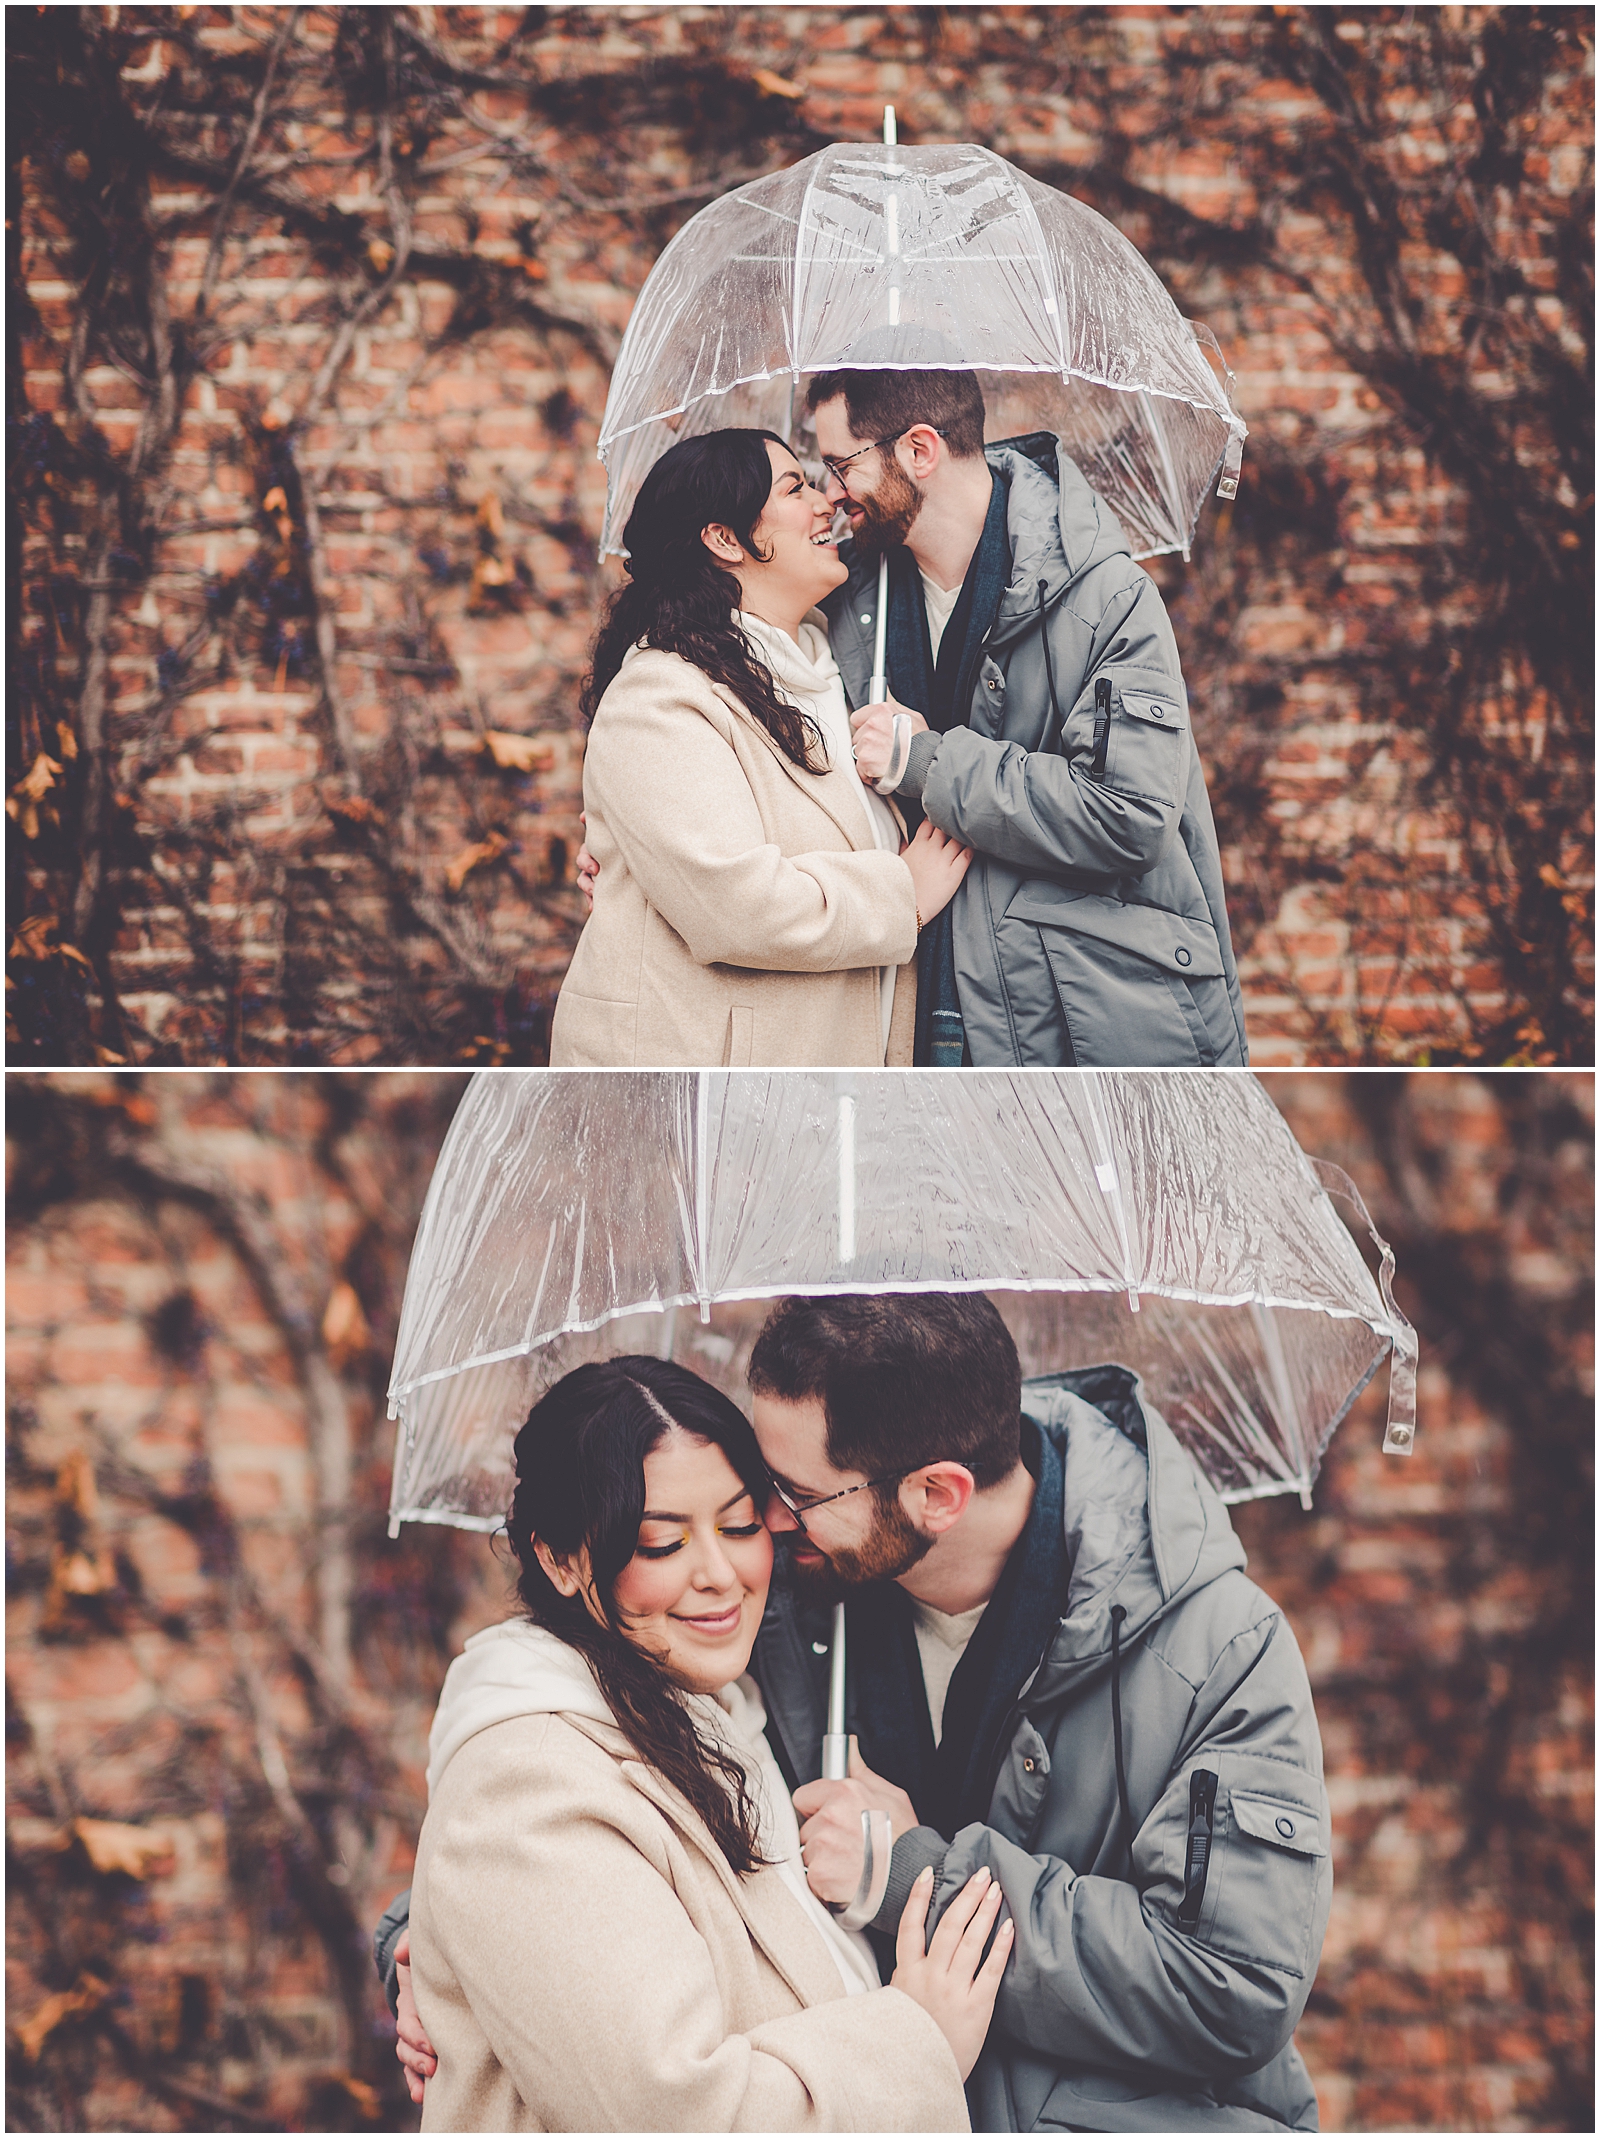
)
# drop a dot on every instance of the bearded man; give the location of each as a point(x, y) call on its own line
point(1049, 731)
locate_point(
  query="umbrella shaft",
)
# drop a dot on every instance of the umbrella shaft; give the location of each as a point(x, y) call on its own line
point(880, 673)
point(836, 1745)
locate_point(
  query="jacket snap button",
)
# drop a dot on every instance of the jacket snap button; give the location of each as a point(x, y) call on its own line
point(1183, 957)
point(1286, 1828)
point(1028, 1766)
point(993, 682)
point(819, 1647)
point(866, 619)
point(1156, 713)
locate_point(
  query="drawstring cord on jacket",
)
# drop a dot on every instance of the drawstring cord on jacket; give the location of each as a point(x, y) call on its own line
point(1118, 1614)
point(1049, 665)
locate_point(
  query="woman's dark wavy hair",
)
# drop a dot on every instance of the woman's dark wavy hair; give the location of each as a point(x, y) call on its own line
point(580, 1481)
point(679, 599)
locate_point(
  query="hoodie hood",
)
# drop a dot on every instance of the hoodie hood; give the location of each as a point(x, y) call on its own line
point(508, 1670)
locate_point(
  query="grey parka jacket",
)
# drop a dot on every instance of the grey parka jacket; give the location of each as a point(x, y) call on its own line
point(1091, 927)
point(1122, 2009)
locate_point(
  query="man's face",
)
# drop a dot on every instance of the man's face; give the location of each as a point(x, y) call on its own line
point(847, 1541)
point(879, 497)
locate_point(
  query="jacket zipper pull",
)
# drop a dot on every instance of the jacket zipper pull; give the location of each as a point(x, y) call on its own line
point(1102, 727)
point(1197, 1856)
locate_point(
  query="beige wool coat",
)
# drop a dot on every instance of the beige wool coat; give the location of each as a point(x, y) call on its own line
point(583, 1959)
point(742, 910)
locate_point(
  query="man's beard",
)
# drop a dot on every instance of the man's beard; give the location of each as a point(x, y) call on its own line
point(888, 516)
point(893, 1547)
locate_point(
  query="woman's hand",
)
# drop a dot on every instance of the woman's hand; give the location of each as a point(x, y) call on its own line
point(411, 2045)
point(937, 864)
point(873, 731)
point(946, 1980)
point(588, 868)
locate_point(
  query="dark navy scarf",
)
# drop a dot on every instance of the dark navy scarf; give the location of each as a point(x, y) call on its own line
point(942, 692)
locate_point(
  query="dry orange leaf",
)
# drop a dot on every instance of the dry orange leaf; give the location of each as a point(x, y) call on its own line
point(344, 1325)
point(37, 781)
point(86, 1995)
point(81, 1574)
point(777, 85)
point(519, 753)
point(75, 1486)
point(112, 1846)
point(275, 501)
point(32, 939)
point(381, 253)
point(355, 809)
point(491, 514)
point(471, 857)
point(69, 741)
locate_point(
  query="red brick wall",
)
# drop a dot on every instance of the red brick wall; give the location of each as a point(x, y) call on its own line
point(1381, 212)
point(185, 1252)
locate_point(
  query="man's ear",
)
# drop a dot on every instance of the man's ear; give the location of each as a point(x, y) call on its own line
point(926, 447)
point(723, 544)
point(564, 1575)
point(941, 1494)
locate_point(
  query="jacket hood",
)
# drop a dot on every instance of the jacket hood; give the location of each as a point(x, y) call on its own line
point(1058, 528)
point(1143, 1527)
point(508, 1670)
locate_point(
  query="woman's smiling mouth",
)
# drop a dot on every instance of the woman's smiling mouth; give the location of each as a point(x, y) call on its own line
point(714, 1623)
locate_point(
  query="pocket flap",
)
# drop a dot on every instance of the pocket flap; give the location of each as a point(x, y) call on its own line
point(1188, 947)
point(1159, 712)
point(1276, 1820)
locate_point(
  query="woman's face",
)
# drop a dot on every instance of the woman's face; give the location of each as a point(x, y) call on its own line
point(693, 1593)
point(802, 560)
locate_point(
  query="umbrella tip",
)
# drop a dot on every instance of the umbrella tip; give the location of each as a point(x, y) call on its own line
point(890, 138)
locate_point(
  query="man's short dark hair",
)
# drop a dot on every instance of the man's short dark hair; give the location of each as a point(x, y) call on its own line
point(905, 1379)
point(882, 404)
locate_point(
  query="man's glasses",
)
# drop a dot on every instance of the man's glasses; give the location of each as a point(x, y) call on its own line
point(800, 1506)
point(836, 469)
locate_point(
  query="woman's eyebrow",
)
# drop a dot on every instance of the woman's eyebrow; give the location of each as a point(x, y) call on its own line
point(652, 1515)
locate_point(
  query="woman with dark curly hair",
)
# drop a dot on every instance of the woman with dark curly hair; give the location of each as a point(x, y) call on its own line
point(610, 1926)
point(757, 903)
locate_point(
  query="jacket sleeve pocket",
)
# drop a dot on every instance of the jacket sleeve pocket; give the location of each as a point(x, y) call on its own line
point(1146, 746)
point(1267, 1864)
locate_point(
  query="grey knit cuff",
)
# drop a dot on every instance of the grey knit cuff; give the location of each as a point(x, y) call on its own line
point(917, 1847)
point(911, 781)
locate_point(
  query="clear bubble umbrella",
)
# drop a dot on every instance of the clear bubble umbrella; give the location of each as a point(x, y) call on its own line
point(1175, 1216)
point(875, 256)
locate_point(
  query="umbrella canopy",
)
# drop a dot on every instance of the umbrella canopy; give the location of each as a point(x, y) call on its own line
point(1194, 1236)
point(878, 257)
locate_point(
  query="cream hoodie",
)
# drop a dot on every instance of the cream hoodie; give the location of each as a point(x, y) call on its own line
point(518, 1668)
